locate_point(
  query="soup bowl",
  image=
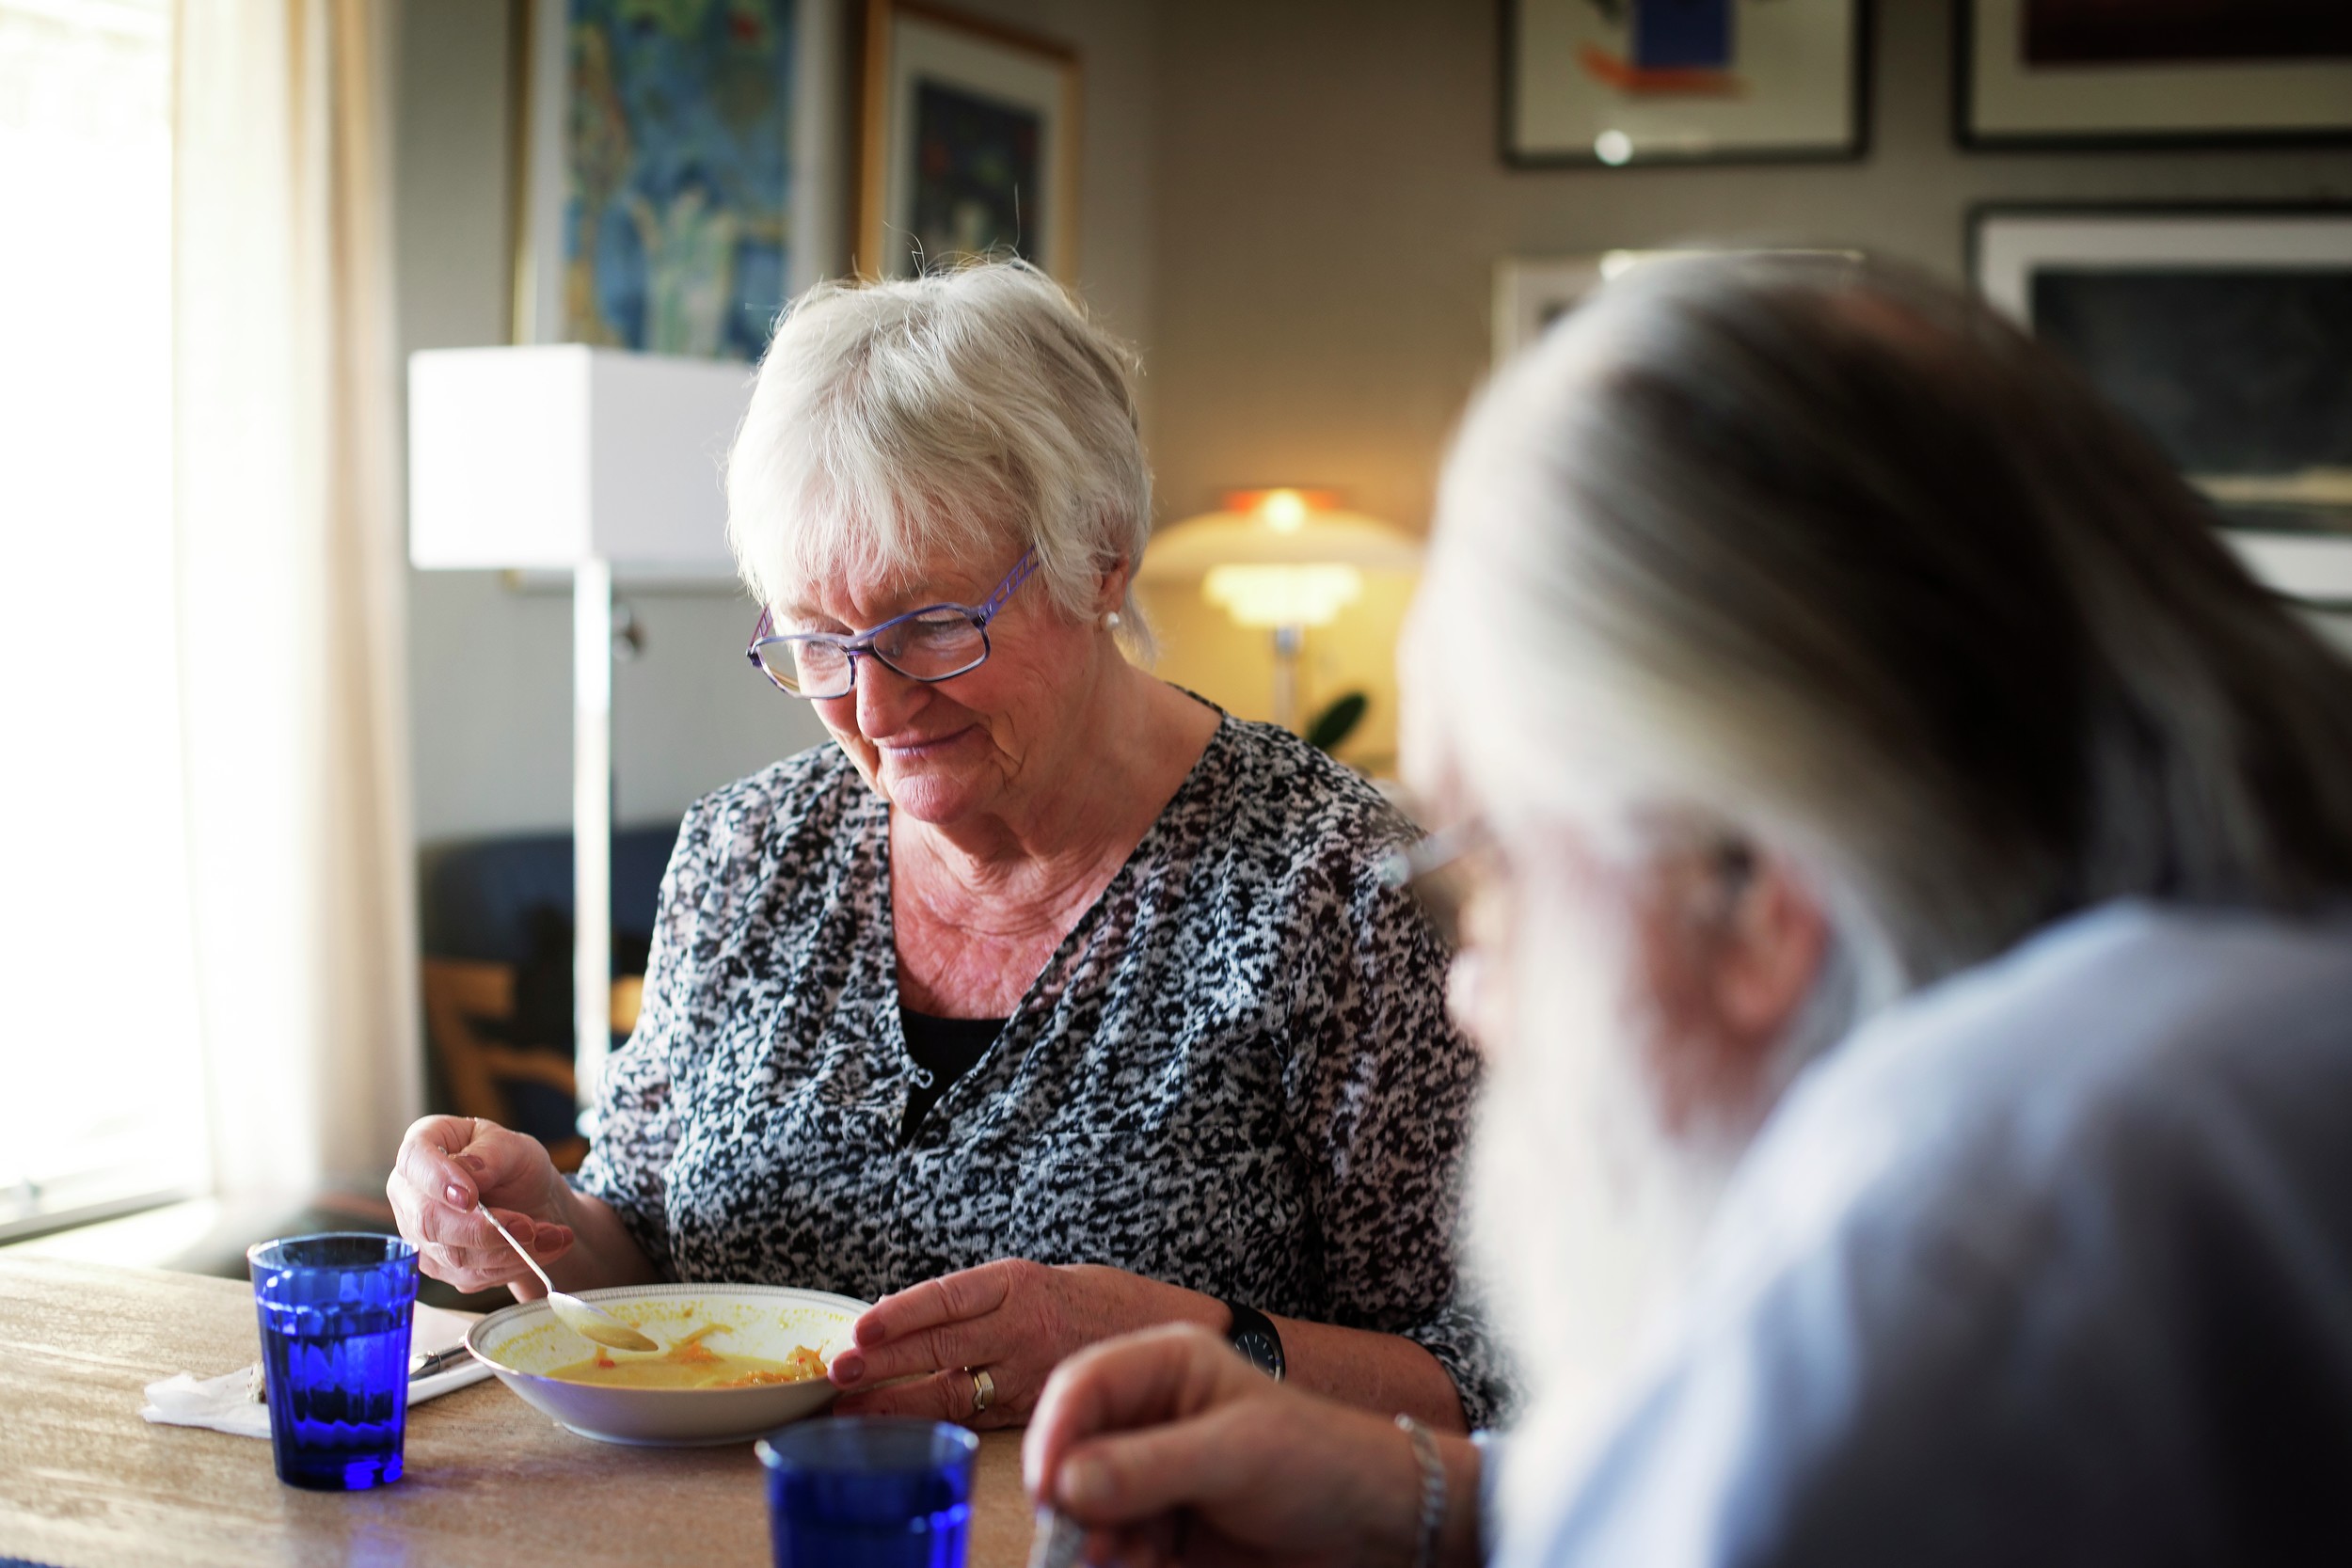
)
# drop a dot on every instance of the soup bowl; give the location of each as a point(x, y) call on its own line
point(524, 1343)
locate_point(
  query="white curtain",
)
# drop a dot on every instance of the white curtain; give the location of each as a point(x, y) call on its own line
point(290, 591)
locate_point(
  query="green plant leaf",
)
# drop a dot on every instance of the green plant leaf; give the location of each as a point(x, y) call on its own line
point(1335, 723)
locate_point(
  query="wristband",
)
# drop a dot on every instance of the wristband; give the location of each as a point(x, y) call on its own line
point(1432, 1489)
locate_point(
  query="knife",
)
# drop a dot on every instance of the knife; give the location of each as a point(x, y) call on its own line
point(439, 1361)
point(423, 1366)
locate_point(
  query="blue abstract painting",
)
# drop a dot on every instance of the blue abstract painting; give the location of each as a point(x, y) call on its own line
point(678, 174)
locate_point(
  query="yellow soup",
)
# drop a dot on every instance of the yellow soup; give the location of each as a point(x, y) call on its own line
point(690, 1364)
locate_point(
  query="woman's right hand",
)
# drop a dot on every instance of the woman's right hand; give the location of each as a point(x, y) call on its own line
point(445, 1164)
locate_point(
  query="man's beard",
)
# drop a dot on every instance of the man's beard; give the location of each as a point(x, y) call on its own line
point(1584, 1211)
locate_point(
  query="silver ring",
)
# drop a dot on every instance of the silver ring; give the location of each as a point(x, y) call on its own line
point(983, 1388)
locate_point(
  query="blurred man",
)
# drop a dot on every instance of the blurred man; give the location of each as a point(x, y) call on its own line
point(1905, 876)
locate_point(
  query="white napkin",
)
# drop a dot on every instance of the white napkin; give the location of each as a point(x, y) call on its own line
point(225, 1403)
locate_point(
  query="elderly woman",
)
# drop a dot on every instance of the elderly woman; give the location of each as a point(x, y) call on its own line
point(1916, 871)
point(1050, 1001)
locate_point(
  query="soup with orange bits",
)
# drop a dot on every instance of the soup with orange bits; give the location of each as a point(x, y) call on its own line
point(689, 1363)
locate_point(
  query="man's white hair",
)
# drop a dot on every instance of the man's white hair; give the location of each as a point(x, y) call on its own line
point(1838, 557)
point(1832, 566)
point(897, 426)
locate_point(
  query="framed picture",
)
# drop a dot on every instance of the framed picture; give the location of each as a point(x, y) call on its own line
point(970, 144)
point(2084, 73)
point(675, 171)
point(1681, 81)
point(1532, 292)
point(2225, 333)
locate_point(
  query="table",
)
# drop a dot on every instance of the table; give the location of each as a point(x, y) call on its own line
point(85, 1483)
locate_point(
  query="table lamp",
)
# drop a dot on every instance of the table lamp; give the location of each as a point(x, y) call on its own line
point(588, 461)
point(1282, 560)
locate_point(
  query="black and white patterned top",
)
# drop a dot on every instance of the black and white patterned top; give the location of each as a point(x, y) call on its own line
point(1235, 1074)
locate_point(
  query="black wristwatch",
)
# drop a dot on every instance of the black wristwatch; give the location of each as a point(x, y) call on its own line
point(1253, 1334)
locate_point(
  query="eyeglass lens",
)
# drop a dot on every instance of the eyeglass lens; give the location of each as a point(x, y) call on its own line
point(927, 647)
point(1442, 872)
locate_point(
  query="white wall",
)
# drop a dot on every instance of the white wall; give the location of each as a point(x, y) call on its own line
point(491, 676)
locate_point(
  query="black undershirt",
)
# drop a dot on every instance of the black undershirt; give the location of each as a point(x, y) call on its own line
point(946, 1047)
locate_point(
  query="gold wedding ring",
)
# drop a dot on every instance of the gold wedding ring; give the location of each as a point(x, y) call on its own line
point(983, 1388)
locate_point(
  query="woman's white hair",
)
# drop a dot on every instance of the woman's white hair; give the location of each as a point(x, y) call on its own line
point(969, 412)
point(1835, 557)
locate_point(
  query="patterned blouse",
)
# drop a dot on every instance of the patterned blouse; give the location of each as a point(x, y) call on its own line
point(1234, 1075)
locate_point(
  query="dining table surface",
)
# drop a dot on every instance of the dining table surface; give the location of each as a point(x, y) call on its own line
point(86, 1483)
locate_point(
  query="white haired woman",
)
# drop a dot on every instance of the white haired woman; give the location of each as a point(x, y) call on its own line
point(1050, 1001)
point(1916, 875)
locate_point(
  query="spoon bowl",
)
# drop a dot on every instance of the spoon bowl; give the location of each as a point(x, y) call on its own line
point(593, 1323)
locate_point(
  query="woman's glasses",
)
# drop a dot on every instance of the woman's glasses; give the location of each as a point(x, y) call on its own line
point(933, 643)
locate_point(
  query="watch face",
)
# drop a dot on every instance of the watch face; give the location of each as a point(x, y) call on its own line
point(1254, 1344)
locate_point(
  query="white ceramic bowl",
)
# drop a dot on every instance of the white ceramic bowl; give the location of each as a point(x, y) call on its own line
point(524, 1342)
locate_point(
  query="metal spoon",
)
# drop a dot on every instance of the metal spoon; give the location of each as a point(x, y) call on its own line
point(589, 1322)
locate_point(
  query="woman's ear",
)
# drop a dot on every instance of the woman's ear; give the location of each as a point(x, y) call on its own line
point(1111, 586)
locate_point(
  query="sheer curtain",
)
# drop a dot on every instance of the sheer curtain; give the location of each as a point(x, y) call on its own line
point(290, 592)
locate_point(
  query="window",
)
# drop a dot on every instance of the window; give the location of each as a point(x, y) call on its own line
point(103, 1104)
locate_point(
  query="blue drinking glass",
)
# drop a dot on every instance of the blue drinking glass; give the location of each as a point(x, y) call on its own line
point(335, 1311)
point(869, 1492)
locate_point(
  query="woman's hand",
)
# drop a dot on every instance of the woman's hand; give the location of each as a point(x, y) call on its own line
point(1012, 1319)
point(1169, 1448)
point(445, 1164)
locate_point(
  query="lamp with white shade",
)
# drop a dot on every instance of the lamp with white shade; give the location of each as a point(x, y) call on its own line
point(589, 461)
point(1281, 560)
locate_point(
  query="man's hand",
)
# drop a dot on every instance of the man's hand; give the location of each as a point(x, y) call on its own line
point(1169, 1448)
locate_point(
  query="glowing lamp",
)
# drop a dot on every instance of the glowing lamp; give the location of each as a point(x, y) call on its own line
point(1281, 560)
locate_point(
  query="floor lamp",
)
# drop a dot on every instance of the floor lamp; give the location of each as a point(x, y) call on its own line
point(1280, 561)
point(592, 462)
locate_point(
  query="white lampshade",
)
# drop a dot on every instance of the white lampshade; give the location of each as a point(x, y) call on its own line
point(547, 456)
point(1277, 558)
point(1308, 595)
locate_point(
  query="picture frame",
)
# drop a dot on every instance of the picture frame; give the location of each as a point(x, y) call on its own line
point(2047, 75)
point(676, 180)
point(1608, 82)
point(1533, 292)
point(2223, 331)
point(969, 143)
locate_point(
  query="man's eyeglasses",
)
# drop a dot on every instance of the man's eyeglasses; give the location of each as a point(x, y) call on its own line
point(1442, 872)
point(933, 643)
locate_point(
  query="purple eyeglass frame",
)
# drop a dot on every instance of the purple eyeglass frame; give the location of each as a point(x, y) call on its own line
point(862, 645)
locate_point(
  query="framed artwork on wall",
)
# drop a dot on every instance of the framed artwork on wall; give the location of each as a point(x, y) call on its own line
point(970, 144)
point(1614, 82)
point(2225, 333)
point(2090, 73)
point(1534, 292)
point(673, 180)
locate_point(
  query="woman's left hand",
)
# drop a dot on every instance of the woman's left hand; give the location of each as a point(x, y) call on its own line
point(1014, 1320)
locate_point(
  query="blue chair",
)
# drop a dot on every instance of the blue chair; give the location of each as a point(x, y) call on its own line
point(497, 974)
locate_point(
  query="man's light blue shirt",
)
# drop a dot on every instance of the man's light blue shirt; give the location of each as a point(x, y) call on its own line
point(2051, 1263)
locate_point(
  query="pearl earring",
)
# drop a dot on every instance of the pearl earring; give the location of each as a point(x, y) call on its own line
point(1112, 621)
